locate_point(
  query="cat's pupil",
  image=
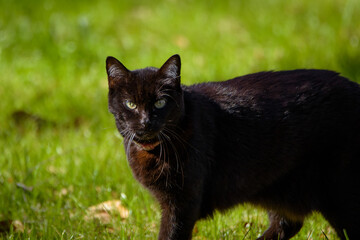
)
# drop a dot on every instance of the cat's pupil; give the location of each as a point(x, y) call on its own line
point(160, 103)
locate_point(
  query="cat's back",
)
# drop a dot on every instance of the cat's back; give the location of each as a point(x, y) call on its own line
point(278, 90)
point(307, 118)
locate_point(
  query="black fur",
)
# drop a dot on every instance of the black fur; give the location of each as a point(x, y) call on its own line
point(287, 141)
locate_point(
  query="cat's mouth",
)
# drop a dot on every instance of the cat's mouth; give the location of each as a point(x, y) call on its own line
point(148, 145)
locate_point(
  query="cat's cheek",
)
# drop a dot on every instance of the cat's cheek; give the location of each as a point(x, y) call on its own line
point(120, 125)
point(173, 116)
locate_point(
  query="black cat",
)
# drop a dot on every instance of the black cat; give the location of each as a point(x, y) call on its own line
point(287, 141)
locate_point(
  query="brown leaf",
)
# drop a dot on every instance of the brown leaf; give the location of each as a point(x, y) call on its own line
point(18, 226)
point(105, 211)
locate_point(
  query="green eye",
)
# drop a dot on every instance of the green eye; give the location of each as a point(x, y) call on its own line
point(160, 103)
point(130, 104)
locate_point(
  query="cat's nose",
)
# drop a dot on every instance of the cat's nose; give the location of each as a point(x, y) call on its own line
point(145, 122)
point(145, 129)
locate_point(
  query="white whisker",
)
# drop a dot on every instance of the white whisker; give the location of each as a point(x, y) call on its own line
point(164, 155)
point(176, 154)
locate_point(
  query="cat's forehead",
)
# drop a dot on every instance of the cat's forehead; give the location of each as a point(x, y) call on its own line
point(143, 84)
point(145, 75)
point(145, 79)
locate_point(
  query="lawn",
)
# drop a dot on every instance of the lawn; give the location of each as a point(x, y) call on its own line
point(60, 152)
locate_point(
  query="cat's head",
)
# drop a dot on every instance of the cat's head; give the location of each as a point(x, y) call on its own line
point(146, 101)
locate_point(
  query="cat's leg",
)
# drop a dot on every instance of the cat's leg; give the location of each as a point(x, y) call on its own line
point(177, 221)
point(280, 228)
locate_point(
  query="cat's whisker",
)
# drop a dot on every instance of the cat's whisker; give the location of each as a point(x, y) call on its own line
point(162, 162)
point(175, 135)
point(181, 139)
point(160, 140)
point(175, 151)
point(163, 91)
point(125, 133)
point(169, 96)
point(130, 138)
point(177, 157)
point(166, 159)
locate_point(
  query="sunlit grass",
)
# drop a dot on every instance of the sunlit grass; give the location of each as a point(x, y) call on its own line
point(57, 138)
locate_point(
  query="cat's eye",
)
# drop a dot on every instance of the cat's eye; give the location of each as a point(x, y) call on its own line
point(160, 103)
point(130, 104)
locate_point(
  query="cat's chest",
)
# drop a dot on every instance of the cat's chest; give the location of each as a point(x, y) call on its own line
point(148, 168)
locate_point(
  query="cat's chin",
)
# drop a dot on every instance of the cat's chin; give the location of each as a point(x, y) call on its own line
point(147, 145)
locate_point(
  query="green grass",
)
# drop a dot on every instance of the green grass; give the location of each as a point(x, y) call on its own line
point(62, 139)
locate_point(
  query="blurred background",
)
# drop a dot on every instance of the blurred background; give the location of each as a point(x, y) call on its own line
point(60, 152)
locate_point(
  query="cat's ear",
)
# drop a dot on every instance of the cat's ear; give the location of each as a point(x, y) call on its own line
point(171, 67)
point(116, 71)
